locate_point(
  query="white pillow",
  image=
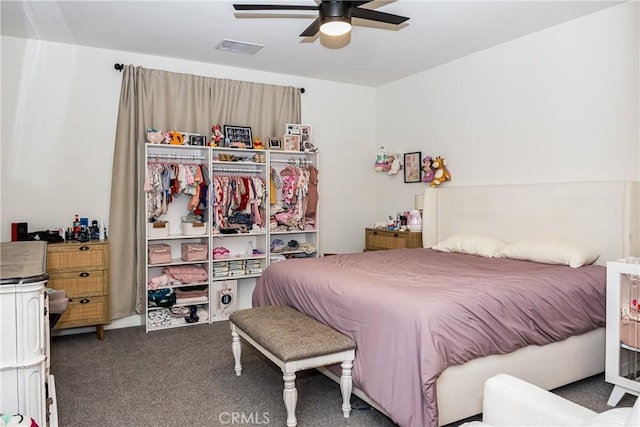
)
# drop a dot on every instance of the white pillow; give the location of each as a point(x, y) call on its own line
point(550, 252)
point(470, 244)
point(611, 418)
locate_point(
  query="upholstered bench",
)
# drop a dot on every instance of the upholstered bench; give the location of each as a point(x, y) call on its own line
point(294, 342)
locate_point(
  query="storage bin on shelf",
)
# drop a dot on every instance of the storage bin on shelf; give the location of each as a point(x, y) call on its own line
point(158, 229)
point(159, 254)
point(194, 228)
point(195, 251)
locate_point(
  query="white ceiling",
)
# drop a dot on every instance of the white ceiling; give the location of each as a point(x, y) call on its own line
point(372, 55)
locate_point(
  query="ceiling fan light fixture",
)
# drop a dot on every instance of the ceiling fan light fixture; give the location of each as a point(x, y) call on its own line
point(335, 26)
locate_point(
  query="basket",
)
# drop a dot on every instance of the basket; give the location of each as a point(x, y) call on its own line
point(194, 228)
point(195, 251)
point(158, 229)
point(159, 254)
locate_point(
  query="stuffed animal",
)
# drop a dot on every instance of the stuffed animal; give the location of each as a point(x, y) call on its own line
point(427, 169)
point(257, 143)
point(217, 136)
point(441, 174)
point(155, 136)
point(177, 138)
point(381, 164)
point(396, 164)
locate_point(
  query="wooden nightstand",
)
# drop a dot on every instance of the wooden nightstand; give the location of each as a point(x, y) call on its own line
point(378, 239)
point(82, 270)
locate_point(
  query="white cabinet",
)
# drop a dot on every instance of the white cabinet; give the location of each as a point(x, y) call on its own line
point(24, 365)
point(623, 328)
point(254, 213)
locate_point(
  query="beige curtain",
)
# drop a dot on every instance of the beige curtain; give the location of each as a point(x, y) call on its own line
point(171, 101)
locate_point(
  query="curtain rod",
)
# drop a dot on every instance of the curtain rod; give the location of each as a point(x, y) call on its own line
point(120, 67)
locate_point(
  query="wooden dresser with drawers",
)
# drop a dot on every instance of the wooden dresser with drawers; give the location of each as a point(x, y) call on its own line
point(82, 270)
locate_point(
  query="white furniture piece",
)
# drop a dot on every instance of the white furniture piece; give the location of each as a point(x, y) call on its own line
point(27, 388)
point(294, 342)
point(601, 214)
point(511, 402)
point(623, 315)
point(228, 288)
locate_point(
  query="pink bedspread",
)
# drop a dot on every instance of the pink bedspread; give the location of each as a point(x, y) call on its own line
point(413, 312)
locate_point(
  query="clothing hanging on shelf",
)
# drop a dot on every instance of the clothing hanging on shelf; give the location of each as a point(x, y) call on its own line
point(166, 180)
point(235, 195)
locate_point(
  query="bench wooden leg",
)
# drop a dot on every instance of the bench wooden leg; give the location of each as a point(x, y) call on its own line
point(346, 384)
point(235, 347)
point(290, 396)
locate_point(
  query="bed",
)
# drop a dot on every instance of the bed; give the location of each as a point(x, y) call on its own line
point(418, 373)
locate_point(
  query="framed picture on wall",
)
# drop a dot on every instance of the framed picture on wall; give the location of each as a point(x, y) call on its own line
point(412, 167)
point(292, 142)
point(238, 136)
point(274, 143)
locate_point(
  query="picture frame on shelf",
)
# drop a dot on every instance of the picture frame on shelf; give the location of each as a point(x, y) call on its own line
point(274, 143)
point(238, 136)
point(197, 140)
point(305, 136)
point(292, 129)
point(412, 167)
point(292, 142)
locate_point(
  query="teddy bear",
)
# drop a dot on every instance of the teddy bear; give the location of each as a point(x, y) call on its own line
point(441, 174)
point(427, 170)
point(257, 143)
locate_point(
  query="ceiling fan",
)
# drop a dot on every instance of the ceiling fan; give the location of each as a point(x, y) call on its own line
point(334, 16)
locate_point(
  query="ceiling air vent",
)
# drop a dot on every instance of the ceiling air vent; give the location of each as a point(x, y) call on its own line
point(239, 47)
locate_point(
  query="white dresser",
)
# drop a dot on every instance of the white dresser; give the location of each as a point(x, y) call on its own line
point(623, 328)
point(24, 363)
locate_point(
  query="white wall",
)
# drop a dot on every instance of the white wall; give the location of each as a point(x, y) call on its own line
point(559, 105)
point(59, 109)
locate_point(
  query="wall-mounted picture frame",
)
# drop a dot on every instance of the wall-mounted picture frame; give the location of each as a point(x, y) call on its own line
point(292, 142)
point(412, 167)
point(238, 136)
point(274, 143)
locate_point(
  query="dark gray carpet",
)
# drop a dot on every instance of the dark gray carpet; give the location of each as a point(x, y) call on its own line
point(185, 377)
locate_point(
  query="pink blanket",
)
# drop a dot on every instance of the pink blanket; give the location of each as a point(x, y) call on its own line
point(414, 312)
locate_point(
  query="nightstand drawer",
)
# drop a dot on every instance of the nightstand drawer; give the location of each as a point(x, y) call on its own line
point(377, 239)
point(65, 257)
point(85, 311)
point(81, 284)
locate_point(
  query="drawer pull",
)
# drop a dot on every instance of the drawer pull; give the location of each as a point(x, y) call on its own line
point(84, 274)
point(395, 234)
point(83, 248)
point(375, 233)
point(84, 300)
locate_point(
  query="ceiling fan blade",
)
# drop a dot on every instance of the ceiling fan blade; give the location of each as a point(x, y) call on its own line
point(374, 15)
point(312, 29)
point(273, 7)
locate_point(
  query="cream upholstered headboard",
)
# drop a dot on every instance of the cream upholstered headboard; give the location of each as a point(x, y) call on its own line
point(605, 215)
